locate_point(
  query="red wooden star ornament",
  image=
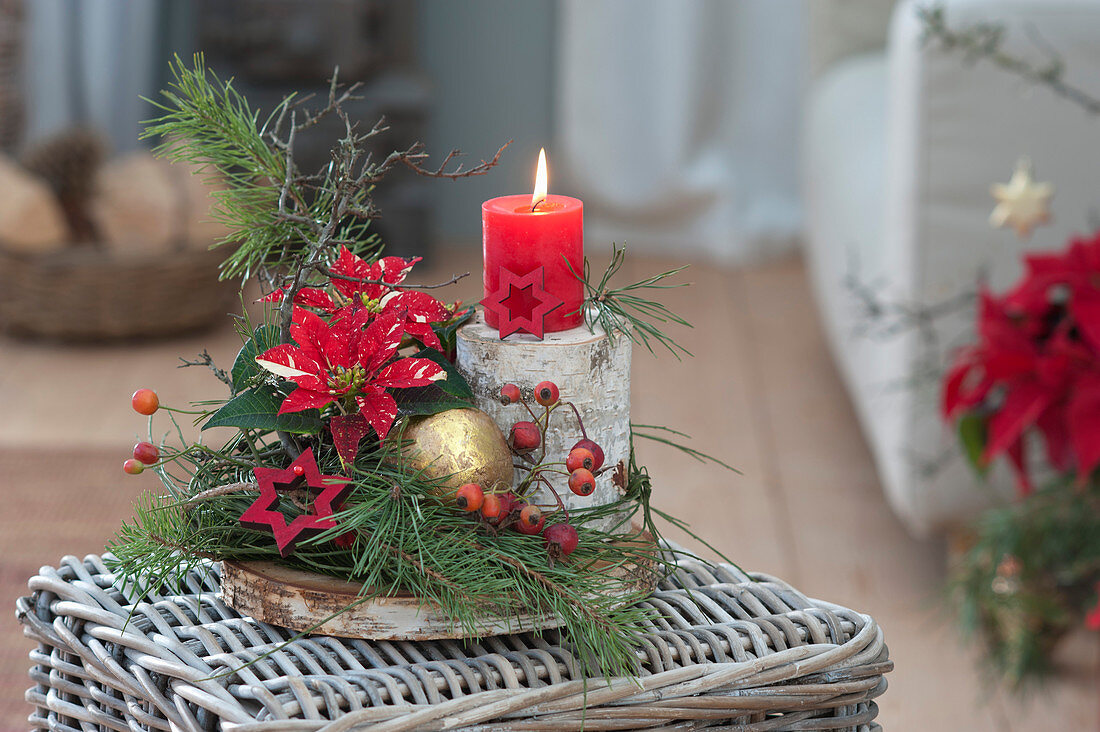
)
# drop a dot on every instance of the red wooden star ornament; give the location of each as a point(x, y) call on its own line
point(264, 514)
point(521, 303)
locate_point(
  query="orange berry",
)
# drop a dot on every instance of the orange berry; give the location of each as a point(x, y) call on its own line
point(491, 506)
point(580, 458)
point(145, 401)
point(546, 393)
point(531, 520)
point(582, 482)
point(469, 497)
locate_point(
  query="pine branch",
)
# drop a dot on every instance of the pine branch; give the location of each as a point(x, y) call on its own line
point(286, 224)
point(622, 310)
point(409, 540)
point(640, 430)
point(1029, 578)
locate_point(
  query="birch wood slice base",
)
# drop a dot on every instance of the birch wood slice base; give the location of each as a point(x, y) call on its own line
point(305, 601)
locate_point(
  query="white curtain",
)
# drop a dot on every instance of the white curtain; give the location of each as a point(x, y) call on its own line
point(676, 122)
point(87, 63)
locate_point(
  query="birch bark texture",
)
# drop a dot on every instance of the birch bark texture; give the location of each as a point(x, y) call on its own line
point(591, 372)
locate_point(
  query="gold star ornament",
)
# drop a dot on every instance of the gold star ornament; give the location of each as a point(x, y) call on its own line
point(1022, 203)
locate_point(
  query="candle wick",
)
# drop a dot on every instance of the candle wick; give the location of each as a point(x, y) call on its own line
point(536, 204)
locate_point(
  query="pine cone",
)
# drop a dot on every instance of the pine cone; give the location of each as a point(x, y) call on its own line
point(68, 163)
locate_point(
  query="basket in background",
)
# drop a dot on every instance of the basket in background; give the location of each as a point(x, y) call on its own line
point(81, 294)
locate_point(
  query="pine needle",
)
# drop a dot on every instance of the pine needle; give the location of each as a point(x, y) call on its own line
point(624, 310)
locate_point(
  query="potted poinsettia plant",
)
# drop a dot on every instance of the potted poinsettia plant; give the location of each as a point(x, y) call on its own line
point(1031, 384)
point(1036, 367)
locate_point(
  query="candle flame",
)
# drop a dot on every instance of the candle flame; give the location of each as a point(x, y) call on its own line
point(540, 181)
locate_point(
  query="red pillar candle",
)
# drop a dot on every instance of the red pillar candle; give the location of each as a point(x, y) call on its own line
point(520, 236)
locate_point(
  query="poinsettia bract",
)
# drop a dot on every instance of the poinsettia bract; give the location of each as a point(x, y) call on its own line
point(1036, 365)
point(373, 287)
point(349, 361)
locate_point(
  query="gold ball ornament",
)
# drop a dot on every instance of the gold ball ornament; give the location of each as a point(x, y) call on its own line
point(459, 446)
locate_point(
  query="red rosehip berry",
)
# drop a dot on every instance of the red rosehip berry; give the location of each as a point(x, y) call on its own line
point(596, 450)
point(546, 393)
point(580, 458)
point(531, 520)
point(508, 504)
point(133, 466)
point(524, 437)
point(491, 506)
point(509, 394)
point(146, 452)
point(145, 401)
point(582, 482)
point(561, 540)
point(498, 510)
point(469, 497)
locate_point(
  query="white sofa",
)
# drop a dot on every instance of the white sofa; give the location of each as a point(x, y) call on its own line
point(901, 144)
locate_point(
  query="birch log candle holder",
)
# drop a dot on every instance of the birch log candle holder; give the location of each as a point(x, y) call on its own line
point(591, 371)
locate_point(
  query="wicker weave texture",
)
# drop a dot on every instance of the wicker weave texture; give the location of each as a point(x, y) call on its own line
point(729, 652)
point(83, 294)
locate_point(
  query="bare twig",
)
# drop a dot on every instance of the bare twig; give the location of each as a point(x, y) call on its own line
point(182, 548)
point(337, 276)
point(204, 359)
point(413, 157)
point(483, 167)
point(221, 490)
point(335, 103)
point(984, 40)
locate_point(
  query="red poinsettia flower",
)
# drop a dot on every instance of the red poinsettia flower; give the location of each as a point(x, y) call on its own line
point(348, 361)
point(373, 286)
point(1036, 366)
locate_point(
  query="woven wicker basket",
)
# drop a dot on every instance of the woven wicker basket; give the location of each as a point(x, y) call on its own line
point(86, 295)
point(729, 650)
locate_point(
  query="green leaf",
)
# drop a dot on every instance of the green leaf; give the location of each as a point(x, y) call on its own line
point(245, 367)
point(450, 393)
point(455, 384)
point(447, 332)
point(424, 404)
point(972, 433)
point(258, 409)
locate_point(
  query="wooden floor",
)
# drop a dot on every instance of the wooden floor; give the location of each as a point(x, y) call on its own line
point(761, 393)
